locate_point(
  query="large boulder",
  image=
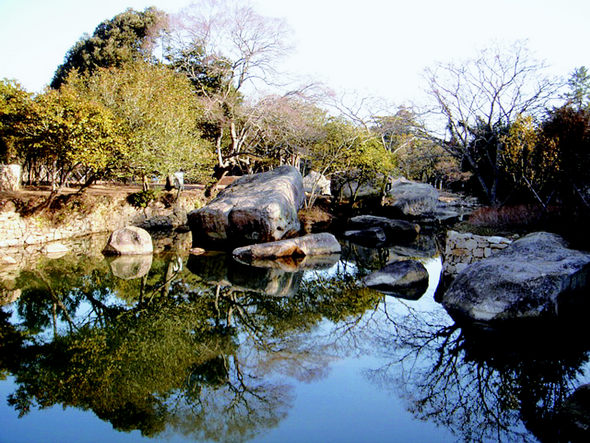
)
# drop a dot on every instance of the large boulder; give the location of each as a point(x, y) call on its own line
point(308, 245)
point(534, 277)
point(253, 209)
point(412, 198)
point(130, 240)
point(406, 279)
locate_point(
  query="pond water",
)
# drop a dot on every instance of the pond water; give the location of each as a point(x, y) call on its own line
point(202, 348)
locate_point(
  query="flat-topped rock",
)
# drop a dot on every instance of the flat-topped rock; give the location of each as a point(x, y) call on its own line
point(308, 245)
point(253, 209)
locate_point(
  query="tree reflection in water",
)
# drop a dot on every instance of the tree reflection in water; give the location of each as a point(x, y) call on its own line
point(482, 383)
point(205, 347)
point(171, 350)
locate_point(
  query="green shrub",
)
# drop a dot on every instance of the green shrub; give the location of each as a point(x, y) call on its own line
point(142, 199)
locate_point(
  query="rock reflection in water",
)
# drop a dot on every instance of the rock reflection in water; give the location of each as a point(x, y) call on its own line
point(376, 258)
point(202, 353)
point(165, 351)
point(223, 270)
point(129, 267)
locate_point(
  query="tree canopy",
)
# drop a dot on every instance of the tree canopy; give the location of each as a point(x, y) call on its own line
point(127, 37)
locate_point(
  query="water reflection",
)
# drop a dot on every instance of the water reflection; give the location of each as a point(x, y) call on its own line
point(483, 384)
point(213, 349)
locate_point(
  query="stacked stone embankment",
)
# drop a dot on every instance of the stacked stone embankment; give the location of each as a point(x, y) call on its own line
point(107, 214)
point(463, 249)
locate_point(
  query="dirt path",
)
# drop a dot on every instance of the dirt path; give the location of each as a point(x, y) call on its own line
point(34, 192)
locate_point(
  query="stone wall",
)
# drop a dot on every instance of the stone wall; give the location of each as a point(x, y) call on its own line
point(462, 249)
point(107, 214)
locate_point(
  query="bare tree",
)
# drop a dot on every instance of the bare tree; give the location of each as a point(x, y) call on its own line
point(481, 97)
point(225, 46)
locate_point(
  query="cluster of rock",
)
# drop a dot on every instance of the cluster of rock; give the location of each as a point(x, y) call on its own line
point(537, 276)
point(258, 214)
point(260, 210)
point(464, 248)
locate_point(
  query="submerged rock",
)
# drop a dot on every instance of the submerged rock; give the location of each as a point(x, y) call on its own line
point(406, 279)
point(311, 244)
point(534, 277)
point(130, 240)
point(253, 209)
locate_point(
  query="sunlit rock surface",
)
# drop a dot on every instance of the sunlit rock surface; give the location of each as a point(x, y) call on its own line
point(536, 276)
point(129, 241)
point(308, 245)
point(317, 183)
point(253, 209)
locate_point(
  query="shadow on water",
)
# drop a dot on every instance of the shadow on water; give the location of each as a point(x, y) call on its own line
point(212, 349)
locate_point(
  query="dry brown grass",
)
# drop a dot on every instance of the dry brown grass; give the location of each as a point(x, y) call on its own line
point(519, 216)
point(314, 219)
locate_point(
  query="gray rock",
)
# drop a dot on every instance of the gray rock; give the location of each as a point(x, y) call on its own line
point(130, 240)
point(395, 230)
point(253, 209)
point(531, 278)
point(311, 244)
point(412, 198)
point(405, 279)
point(129, 267)
point(316, 182)
point(368, 237)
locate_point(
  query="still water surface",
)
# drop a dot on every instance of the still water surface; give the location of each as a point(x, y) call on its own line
point(202, 348)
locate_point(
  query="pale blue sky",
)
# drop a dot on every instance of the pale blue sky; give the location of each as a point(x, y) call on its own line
point(376, 47)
